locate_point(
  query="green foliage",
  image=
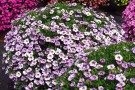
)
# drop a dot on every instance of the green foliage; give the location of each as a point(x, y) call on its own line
point(108, 53)
point(122, 2)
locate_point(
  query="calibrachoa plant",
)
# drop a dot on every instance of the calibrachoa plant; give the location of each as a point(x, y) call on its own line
point(9, 9)
point(129, 21)
point(44, 43)
point(108, 68)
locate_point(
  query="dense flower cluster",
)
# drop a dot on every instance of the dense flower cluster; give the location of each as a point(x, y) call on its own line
point(112, 69)
point(44, 43)
point(9, 9)
point(129, 21)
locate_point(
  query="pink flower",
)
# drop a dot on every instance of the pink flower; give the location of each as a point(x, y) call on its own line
point(10, 9)
point(129, 21)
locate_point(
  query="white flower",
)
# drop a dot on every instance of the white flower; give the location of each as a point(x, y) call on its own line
point(29, 70)
point(38, 75)
point(134, 43)
point(51, 11)
point(76, 38)
point(71, 77)
point(61, 38)
point(85, 41)
point(49, 89)
point(24, 72)
point(118, 57)
point(68, 19)
point(120, 77)
point(63, 10)
point(99, 66)
point(64, 33)
point(75, 29)
point(47, 79)
point(59, 32)
point(48, 65)
point(44, 16)
point(33, 63)
point(55, 63)
point(65, 57)
point(74, 25)
point(93, 63)
point(111, 66)
point(84, 11)
point(57, 7)
point(20, 66)
point(72, 50)
point(83, 88)
point(54, 82)
point(98, 21)
point(26, 54)
point(27, 88)
point(56, 17)
point(57, 51)
point(45, 27)
point(61, 55)
point(97, 37)
point(91, 33)
point(56, 26)
point(103, 37)
point(31, 58)
point(30, 85)
point(107, 18)
point(79, 65)
point(122, 32)
point(27, 23)
point(44, 8)
point(52, 52)
point(95, 30)
point(53, 23)
point(26, 41)
point(48, 39)
point(107, 42)
point(18, 74)
point(71, 12)
point(120, 69)
point(74, 4)
point(86, 33)
point(49, 60)
point(7, 48)
point(100, 88)
point(18, 53)
point(50, 56)
point(15, 31)
point(88, 13)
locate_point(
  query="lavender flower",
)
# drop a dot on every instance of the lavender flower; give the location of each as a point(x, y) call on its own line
point(125, 65)
point(101, 73)
point(120, 77)
point(133, 50)
point(100, 88)
point(132, 80)
point(93, 78)
point(121, 84)
point(111, 77)
point(102, 60)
